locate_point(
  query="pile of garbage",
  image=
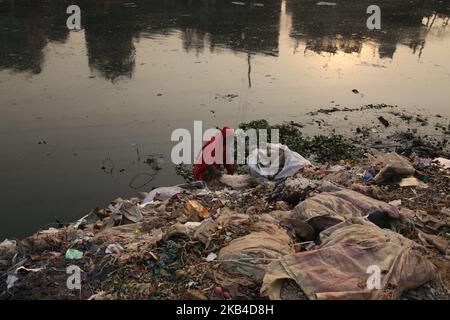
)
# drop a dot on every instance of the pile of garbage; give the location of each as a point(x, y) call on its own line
point(377, 227)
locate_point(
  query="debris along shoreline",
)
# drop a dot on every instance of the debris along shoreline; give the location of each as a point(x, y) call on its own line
point(319, 234)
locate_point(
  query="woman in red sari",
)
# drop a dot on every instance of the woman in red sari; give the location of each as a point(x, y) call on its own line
point(207, 167)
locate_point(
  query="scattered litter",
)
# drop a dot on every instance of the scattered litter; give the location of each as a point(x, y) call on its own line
point(186, 229)
point(310, 235)
point(205, 231)
point(412, 182)
point(162, 193)
point(196, 207)
point(367, 176)
point(125, 211)
point(392, 166)
point(335, 168)
point(97, 296)
point(422, 163)
point(445, 163)
point(22, 268)
point(74, 254)
point(11, 280)
point(8, 244)
point(395, 203)
point(440, 243)
point(212, 256)
point(383, 121)
point(113, 248)
point(293, 190)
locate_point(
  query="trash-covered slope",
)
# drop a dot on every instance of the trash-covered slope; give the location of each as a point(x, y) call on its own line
point(314, 235)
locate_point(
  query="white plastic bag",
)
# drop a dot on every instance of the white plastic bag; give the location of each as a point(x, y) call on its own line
point(293, 162)
point(163, 193)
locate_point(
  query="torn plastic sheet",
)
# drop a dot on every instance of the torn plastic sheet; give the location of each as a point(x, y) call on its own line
point(392, 166)
point(244, 260)
point(162, 193)
point(342, 266)
point(11, 280)
point(341, 203)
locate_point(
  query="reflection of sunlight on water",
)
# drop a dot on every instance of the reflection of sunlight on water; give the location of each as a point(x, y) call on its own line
point(437, 26)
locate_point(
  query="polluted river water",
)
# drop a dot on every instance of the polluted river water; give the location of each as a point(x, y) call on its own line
point(87, 115)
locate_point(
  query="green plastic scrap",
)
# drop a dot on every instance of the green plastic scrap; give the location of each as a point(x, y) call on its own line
point(74, 254)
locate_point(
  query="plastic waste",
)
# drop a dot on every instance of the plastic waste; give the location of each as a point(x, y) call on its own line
point(412, 182)
point(11, 280)
point(125, 211)
point(212, 256)
point(335, 168)
point(196, 207)
point(245, 259)
point(228, 217)
point(341, 203)
point(393, 166)
point(162, 193)
point(97, 296)
point(396, 203)
point(113, 248)
point(445, 163)
point(422, 163)
point(22, 268)
point(293, 190)
point(205, 231)
point(367, 176)
point(186, 229)
point(90, 218)
point(357, 240)
point(282, 164)
point(431, 240)
point(74, 254)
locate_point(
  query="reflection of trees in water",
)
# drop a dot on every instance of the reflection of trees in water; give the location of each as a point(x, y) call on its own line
point(25, 29)
point(112, 26)
point(109, 33)
point(22, 48)
point(343, 27)
point(249, 28)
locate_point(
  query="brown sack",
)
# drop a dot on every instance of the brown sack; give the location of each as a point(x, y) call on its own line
point(339, 268)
